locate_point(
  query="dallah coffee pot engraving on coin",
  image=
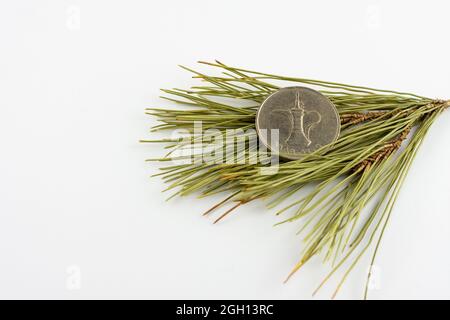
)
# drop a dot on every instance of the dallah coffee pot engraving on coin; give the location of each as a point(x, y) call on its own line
point(306, 121)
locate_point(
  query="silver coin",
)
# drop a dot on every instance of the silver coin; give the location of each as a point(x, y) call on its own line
point(304, 120)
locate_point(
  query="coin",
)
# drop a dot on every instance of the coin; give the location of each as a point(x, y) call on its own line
point(304, 119)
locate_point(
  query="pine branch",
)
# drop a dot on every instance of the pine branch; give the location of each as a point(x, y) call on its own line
point(367, 164)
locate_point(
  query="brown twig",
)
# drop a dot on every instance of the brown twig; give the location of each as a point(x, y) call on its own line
point(444, 104)
point(392, 146)
point(385, 152)
point(358, 117)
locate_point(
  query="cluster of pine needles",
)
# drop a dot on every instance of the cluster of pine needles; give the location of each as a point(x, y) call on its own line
point(352, 185)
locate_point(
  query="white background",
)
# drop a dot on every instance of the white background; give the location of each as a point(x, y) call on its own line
point(79, 215)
